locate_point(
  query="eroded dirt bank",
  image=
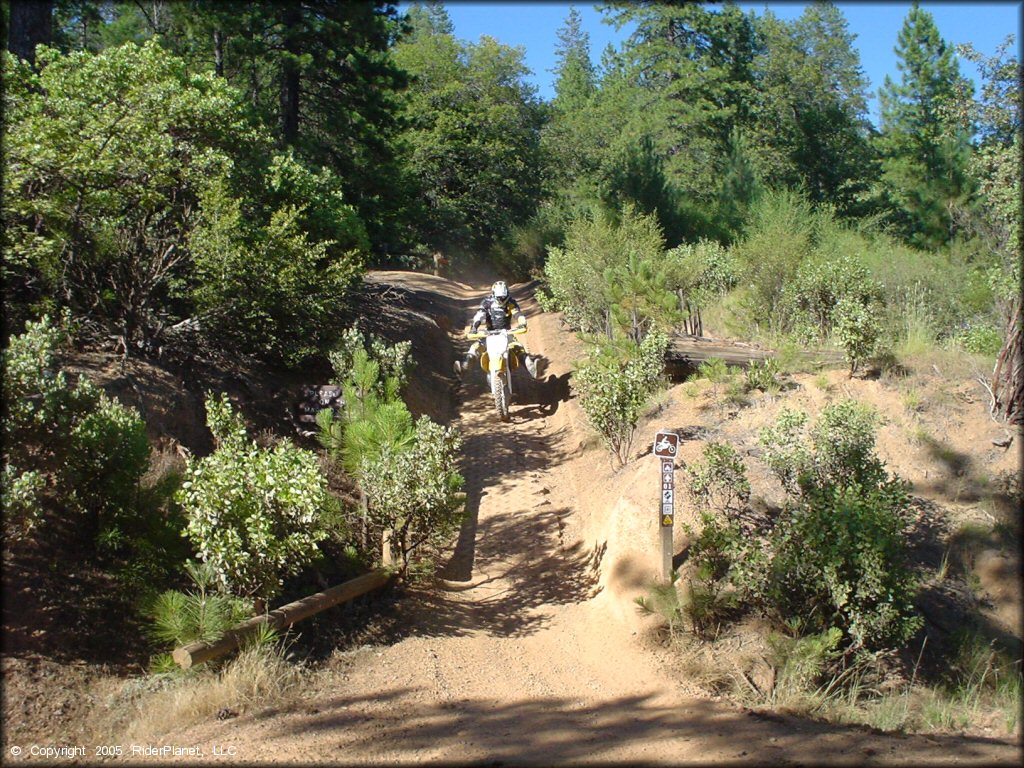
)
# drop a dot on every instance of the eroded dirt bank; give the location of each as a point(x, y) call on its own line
point(526, 650)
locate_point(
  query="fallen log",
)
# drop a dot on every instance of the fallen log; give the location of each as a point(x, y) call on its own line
point(199, 651)
point(685, 354)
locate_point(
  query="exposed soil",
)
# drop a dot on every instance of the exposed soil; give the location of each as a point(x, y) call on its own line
point(527, 648)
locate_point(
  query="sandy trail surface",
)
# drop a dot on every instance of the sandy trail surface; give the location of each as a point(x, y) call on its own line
point(515, 657)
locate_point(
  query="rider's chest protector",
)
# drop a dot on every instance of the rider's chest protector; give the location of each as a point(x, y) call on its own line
point(499, 318)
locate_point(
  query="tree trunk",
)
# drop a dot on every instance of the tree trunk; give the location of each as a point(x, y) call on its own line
point(218, 53)
point(1008, 376)
point(291, 19)
point(31, 23)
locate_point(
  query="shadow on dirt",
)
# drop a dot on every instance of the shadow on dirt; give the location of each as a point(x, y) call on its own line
point(952, 609)
point(958, 479)
point(551, 730)
point(511, 581)
point(541, 398)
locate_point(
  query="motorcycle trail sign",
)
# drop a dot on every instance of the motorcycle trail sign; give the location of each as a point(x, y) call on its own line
point(666, 445)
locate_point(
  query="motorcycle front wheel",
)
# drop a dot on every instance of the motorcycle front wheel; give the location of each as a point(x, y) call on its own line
point(500, 393)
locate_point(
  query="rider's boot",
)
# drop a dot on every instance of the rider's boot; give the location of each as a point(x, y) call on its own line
point(531, 366)
point(461, 366)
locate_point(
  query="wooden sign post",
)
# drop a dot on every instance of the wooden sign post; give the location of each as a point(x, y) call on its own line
point(666, 444)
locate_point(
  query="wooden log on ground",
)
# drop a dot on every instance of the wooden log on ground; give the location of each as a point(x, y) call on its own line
point(686, 353)
point(199, 651)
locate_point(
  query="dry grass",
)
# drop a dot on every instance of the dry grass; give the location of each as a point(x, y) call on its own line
point(927, 357)
point(151, 708)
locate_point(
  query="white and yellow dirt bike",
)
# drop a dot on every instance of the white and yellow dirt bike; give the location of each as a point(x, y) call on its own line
point(498, 360)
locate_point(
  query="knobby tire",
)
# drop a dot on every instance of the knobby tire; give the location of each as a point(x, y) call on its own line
point(500, 394)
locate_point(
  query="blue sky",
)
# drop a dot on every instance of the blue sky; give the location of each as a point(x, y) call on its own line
point(534, 26)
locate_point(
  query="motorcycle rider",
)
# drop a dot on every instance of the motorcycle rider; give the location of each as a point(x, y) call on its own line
point(496, 312)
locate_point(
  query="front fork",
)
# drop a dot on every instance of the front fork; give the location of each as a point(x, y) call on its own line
point(503, 365)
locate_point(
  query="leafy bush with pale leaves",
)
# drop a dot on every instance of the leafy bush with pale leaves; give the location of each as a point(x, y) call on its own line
point(719, 480)
point(601, 259)
point(821, 285)
point(858, 329)
point(785, 451)
point(414, 489)
point(614, 391)
point(71, 444)
point(255, 514)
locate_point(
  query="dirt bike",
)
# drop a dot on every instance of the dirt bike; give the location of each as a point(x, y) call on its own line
point(498, 363)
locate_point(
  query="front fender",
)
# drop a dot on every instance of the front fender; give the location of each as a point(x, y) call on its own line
point(497, 365)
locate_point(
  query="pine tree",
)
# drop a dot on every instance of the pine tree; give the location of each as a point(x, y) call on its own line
point(429, 18)
point(924, 150)
point(693, 69)
point(740, 183)
point(577, 80)
point(812, 128)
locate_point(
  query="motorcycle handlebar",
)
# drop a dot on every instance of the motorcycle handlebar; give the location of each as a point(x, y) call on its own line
point(484, 334)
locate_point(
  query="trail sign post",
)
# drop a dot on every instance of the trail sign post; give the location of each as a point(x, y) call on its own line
point(666, 444)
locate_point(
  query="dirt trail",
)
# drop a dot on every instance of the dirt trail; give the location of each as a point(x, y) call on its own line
point(514, 656)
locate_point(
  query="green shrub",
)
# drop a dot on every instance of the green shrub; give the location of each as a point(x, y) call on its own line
point(406, 470)
point(368, 368)
point(69, 444)
point(719, 481)
point(839, 561)
point(109, 454)
point(22, 497)
point(820, 288)
point(274, 294)
point(858, 329)
point(786, 452)
point(838, 450)
point(414, 489)
point(613, 390)
point(717, 546)
point(798, 663)
point(838, 552)
point(763, 375)
point(104, 159)
point(605, 261)
point(254, 514)
point(980, 339)
point(664, 600)
point(715, 371)
point(728, 563)
point(178, 618)
point(778, 237)
point(843, 439)
point(699, 274)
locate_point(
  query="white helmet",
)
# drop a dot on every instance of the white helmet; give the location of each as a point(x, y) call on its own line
point(500, 291)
